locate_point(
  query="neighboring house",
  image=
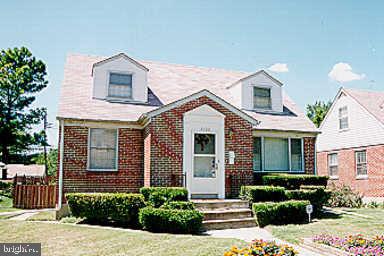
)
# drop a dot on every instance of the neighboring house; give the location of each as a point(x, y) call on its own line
point(126, 124)
point(350, 148)
point(11, 170)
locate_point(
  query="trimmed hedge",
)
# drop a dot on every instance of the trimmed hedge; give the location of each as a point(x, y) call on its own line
point(262, 193)
point(157, 196)
point(171, 221)
point(120, 208)
point(294, 181)
point(179, 205)
point(312, 187)
point(280, 213)
point(318, 197)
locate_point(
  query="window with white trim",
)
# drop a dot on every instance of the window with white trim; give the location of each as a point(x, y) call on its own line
point(262, 98)
point(333, 165)
point(361, 163)
point(273, 154)
point(102, 149)
point(120, 85)
point(257, 154)
point(343, 118)
point(296, 155)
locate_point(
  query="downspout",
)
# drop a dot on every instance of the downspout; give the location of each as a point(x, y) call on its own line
point(316, 156)
point(61, 164)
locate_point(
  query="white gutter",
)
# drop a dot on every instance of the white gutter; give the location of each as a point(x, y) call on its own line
point(61, 152)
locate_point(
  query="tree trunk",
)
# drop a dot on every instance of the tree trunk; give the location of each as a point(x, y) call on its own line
point(4, 154)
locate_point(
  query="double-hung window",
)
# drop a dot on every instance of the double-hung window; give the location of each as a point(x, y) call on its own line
point(120, 85)
point(296, 155)
point(333, 165)
point(343, 118)
point(361, 163)
point(262, 98)
point(102, 149)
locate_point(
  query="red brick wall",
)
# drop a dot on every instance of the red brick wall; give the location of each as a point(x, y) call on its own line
point(166, 153)
point(309, 154)
point(128, 178)
point(371, 187)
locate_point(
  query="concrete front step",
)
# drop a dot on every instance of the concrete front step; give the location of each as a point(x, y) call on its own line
point(217, 204)
point(237, 213)
point(229, 224)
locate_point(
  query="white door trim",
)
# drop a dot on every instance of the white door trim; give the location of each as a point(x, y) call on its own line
point(203, 119)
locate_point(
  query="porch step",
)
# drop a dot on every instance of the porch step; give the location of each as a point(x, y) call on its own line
point(220, 204)
point(229, 224)
point(227, 214)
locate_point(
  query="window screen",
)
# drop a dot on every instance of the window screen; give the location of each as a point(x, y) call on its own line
point(102, 149)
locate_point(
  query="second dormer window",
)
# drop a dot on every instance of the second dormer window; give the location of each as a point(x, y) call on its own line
point(120, 85)
point(262, 98)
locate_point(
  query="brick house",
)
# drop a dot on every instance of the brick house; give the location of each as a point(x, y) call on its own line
point(350, 148)
point(126, 124)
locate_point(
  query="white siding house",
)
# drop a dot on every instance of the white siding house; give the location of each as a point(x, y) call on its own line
point(363, 129)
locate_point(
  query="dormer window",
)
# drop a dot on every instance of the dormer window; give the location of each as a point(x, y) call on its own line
point(120, 85)
point(262, 98)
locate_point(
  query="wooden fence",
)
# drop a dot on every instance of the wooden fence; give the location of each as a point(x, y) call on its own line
point(33, 193)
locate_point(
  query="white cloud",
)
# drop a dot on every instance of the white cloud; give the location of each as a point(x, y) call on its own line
point(279, 68)
point(342, 72)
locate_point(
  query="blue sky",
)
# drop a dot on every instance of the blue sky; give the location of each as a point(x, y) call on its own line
point(307, 38)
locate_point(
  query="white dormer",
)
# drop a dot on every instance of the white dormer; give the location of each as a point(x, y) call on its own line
point(120, 78)
point(259, 92)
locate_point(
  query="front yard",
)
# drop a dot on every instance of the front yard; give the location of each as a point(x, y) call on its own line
point(65, 239)
point(341, 225)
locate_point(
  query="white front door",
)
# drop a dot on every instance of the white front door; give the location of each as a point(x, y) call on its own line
point(204, 152)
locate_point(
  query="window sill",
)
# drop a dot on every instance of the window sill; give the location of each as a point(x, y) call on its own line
point(102, 170)
point(333, 177)
point(344, 130)
point(362, 177)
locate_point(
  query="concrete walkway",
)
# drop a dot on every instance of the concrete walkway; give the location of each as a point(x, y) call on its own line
point(23, 214)
point(249, 234)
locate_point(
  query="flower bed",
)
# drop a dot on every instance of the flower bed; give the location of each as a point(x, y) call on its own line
point(354, 244)
point(261, 247)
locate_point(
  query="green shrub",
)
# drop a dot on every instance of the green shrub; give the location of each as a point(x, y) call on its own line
point(318, 197)
point(312, 187)
point(157, 196)
point(179, 205)
point(119, 208)
point(344, 196)
point(280, 213)
point(294, 181)
point(171, 221)
point(262, 193)
point(6, 189)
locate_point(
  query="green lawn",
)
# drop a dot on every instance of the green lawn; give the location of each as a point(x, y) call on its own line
point(43, 216)
point(66, 239)
point(6, 204)
point(342, 225)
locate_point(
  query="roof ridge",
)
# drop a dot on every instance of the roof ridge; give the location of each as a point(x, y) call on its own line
point(162, 63)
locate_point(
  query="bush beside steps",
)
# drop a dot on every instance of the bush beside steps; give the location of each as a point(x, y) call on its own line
point(157, 196)
point(280, 213)
point(171, 220)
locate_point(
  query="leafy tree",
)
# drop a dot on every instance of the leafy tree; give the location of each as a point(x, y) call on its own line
point(21, 77)
point(51, 161)
point(317, 111)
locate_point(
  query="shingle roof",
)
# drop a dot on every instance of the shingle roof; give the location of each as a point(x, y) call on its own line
point(372, 101)
point(168, 82)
